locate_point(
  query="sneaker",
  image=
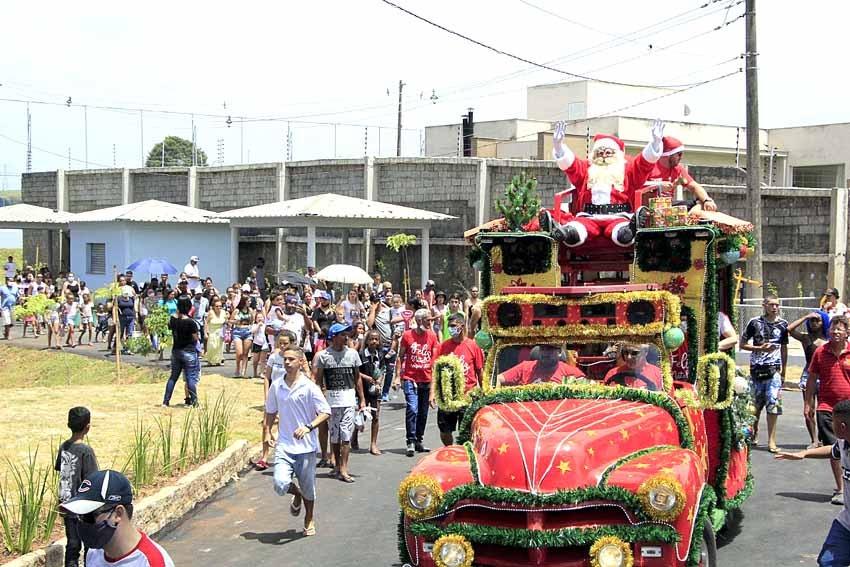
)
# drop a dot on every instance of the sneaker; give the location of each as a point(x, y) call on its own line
point(410, 449)
point(837, 498)
point(420, 448)
point(385, 398)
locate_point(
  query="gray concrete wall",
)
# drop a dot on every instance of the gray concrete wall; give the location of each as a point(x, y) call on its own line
point(796, 228)
point(223, 188)
point(93, 189)
point(150, 183)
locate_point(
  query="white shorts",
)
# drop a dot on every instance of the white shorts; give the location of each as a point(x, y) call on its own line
point(7, 316)
point(342, 424)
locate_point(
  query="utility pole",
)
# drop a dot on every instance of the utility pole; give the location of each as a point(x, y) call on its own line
point(753, 144)
point(142, 137)
point(86, 128)
point(398, 134)
point(29, 139)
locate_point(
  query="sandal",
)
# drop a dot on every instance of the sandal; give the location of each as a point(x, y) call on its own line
point(261, 465)
point(773, 449)
point(310, 530)
point(346, 478)
point(293, 509)
point(322, 464)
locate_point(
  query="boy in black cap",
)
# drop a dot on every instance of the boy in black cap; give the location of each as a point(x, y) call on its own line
point(103, 507)
point(75, 461)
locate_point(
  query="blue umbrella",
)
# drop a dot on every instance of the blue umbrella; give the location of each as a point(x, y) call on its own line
point(152, 266)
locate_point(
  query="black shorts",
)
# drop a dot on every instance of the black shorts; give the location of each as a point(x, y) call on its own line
point(256, 348)
point(447, 421)
point(825, 433)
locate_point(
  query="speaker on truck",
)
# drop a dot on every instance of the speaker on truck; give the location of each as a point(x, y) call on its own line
point(509, 315)
point(640, 312)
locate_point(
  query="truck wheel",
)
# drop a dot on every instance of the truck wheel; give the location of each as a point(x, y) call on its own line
point(708, 548)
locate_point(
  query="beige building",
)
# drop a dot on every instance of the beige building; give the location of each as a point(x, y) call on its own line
point(804, 156)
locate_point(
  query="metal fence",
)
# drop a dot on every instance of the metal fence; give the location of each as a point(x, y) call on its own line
point(791, 308)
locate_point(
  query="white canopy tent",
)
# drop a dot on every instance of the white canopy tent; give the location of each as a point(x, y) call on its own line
point(330, 210)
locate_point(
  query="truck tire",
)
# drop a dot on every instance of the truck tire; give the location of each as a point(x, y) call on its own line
point(708, 547)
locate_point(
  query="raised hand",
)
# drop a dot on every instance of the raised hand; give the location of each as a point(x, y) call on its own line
point(558, 140)
point(657, 132)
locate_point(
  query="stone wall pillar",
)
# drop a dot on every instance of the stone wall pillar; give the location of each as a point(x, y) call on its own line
point(281, 246)
point(838, 211)
point(192, 190)
point(369, 190)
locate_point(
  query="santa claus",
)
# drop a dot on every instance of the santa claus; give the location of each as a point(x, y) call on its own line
point(605, 185)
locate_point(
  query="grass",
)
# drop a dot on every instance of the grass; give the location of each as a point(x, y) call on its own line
point(38, 388)
point(11, 194)
point(17, 255)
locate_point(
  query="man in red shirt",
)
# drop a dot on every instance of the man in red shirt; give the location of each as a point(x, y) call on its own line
point(830, 366)
point(634, 371)
point(547, 368)
point(416, 354)
point(670, 172)
point(471, 359)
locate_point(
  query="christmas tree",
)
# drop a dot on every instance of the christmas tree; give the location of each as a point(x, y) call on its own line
point(521, 202)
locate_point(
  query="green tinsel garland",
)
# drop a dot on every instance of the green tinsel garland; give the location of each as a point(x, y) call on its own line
point(708, 501)
point(723, 501)
point(566, 537)
point(473, 461)
point(623, 460)
point(693, 342)
point(403, 554)
point(626, 498)
point(744, 493)
point(450, 383)
point(559, 392)
point(710, 294)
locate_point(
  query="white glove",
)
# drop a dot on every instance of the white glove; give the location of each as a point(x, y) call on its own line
point(657, 132)
point(558, 141)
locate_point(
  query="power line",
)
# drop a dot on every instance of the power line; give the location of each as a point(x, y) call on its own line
point(519, 58)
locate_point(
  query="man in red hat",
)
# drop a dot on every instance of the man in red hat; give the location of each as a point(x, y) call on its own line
point(605, 185)
point(670, 172)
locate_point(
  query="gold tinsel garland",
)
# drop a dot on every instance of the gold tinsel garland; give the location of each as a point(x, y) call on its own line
point(418, 479)
point(450, 383)
point(457, 539)
point(708, 380)
point(666, 481)
point(625, 548)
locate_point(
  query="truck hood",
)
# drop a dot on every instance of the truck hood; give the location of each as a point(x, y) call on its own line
point(543, 447)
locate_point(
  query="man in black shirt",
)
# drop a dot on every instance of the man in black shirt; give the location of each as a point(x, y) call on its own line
point(184, 352)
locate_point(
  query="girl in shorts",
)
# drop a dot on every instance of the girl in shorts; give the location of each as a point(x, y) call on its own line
point(86, 316)
point(259, 343)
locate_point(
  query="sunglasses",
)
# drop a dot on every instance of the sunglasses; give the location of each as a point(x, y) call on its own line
point(91, 517)
point(631, 352)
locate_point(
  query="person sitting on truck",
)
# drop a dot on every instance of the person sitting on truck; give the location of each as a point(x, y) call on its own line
point(633, 369)
point(544, 366)
point(669, 172)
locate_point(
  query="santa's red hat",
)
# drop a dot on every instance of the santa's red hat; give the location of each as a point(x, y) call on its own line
point(608, 141)
point(671, 146)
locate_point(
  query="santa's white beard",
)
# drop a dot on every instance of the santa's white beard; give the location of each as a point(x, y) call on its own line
point(605, 175)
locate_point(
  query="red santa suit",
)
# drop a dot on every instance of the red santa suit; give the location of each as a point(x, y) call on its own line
point(605, 207)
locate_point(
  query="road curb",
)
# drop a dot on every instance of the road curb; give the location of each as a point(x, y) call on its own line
point(167, 505)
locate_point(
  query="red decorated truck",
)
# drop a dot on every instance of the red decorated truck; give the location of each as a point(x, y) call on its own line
point(609, 430)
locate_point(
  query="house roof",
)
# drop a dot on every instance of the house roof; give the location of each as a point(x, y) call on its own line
point(150, 211)
point(24, 215)
point(334, 207)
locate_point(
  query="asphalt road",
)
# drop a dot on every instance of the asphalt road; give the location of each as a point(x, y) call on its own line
point(246, 523)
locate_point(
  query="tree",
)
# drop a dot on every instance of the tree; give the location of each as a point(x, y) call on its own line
point(178, 152)
point(399, 243)
point(521, 202)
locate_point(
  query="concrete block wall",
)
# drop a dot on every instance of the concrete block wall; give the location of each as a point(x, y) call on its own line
point(795, 224)
point(223, 188)
point(340, 176)
point(156, 183)
point(550, 180)
point(448, 186)
point(93, 189)
point(39, 188)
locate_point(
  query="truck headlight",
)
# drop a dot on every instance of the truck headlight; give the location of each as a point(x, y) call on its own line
point(419, 496)
point(663, 498)
point(611, 551)
point(453, 551)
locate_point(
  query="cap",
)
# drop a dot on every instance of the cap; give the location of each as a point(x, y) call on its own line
point(429, 283)
point(100, 488)
point(194, 259)
point(338, 328)
point(671, 145)
point(246, 287)
point(439, 293)
point(608, 141)
point(198, 291)
point(322, 294)
point(78, 418)
point(832, 291)
point(292, 299)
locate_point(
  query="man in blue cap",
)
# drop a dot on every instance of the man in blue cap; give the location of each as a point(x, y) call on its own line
point(336, 370)
point(104, 509)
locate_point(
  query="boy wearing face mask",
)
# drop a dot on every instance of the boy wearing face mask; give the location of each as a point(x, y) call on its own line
point(471, 359)
point(103, 508)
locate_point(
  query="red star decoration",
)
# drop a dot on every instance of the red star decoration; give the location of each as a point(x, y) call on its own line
point(699, 264)
point(497, 268)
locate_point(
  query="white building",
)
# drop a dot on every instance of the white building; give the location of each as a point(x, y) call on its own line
point(106, 241)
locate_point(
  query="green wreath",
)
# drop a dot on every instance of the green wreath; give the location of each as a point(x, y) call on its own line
point(450, 383)
point(708, 380)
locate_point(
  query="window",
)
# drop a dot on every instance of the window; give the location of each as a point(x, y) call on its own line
point(817, 176)
point(95, 258)
point(576, 110)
